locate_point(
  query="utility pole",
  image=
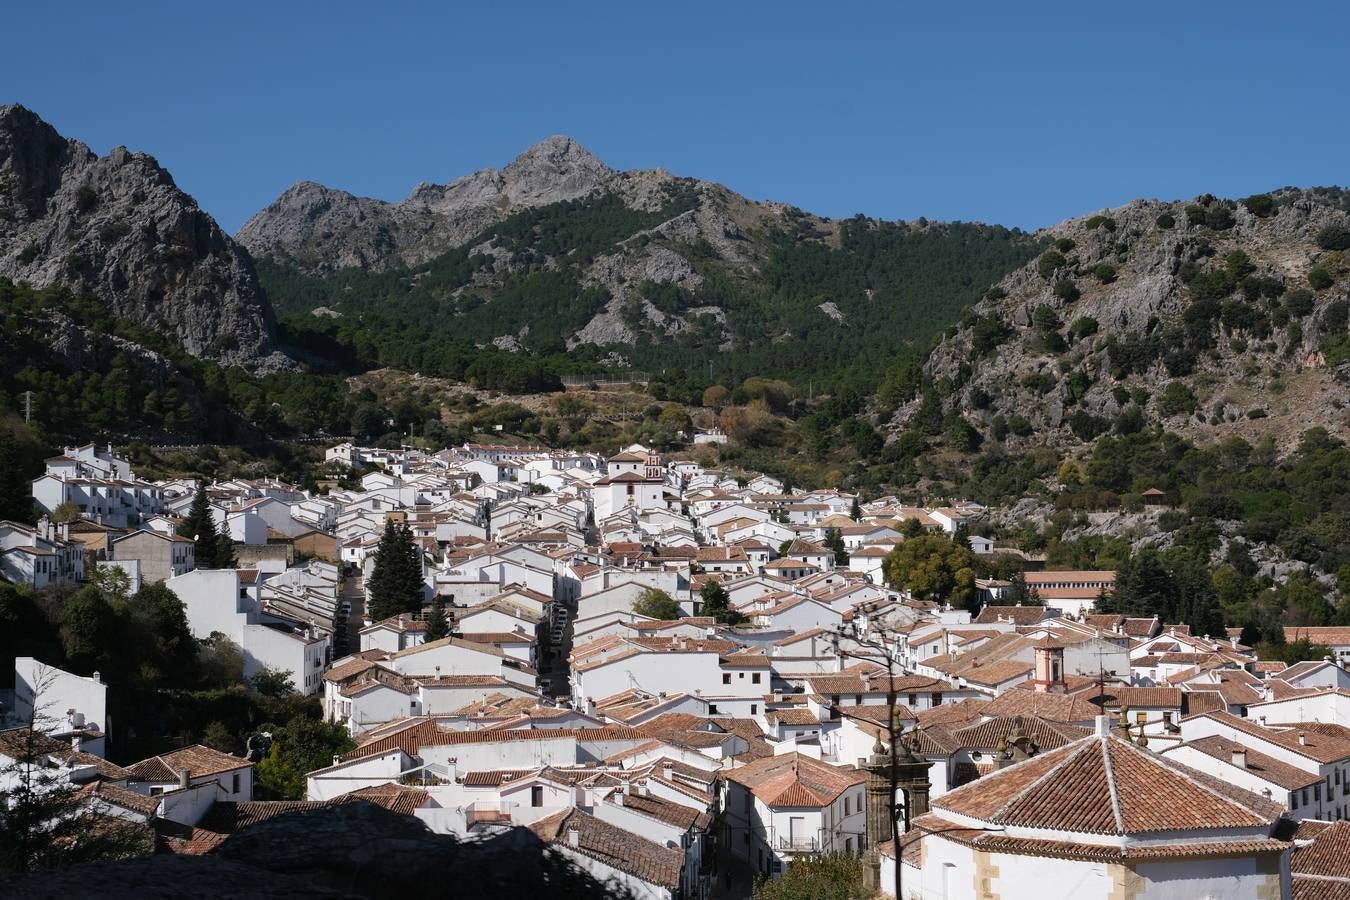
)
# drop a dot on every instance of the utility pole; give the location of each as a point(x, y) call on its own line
point(28, 407)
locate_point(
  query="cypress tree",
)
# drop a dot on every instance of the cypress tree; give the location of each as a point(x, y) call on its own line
point(396, 581)
point(436, 625)
point(200, 525)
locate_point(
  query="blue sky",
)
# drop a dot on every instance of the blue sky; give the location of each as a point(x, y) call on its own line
point(1022, 114)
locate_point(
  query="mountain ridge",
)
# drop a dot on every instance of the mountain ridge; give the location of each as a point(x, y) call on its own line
point(119, 227)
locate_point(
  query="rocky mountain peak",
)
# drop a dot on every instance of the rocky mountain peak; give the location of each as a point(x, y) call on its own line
point(322, 229)
point(118, 227)
point(557, 168)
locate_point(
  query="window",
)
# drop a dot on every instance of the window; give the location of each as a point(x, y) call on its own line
point(857, 699)
point(1293, 800)
point(754, 709)
point(755, 678)
point(712, 709)
point(1317, 791)
point(937, 699)
point(235, 788)
point(726, 678)
point(847, 809)
point(536, 796)
point(913, 700)
point(834, 699)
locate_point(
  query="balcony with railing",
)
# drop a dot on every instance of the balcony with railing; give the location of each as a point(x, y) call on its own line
point(797, 844)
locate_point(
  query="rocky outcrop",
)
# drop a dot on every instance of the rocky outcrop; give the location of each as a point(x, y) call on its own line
point(118, 227)
point(321, 229)
point(1212, 327)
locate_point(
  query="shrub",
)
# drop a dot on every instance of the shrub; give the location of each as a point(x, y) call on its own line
point(1176, 399)
point(1165, 221)
point(1066, 290)
point(1219, 217)
point(1084, 326)
point(1256, 413)
point(1260, 205)
point(1299, 303)
point(1044, 318)
point(1049, 262)
point(1087, 427)
point(1019, 425)
point(1064, 245)
point(1195, 215)
point(1334, 237)
point(86, 199)
point(1320, 279)
point(995, 293)
point(28, 254)
point(1105, 273)
point(1106, 222)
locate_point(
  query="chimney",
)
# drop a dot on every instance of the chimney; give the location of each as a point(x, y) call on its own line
point(1102, 726)
point(1240, 757)
point(184, 779)
point(336, 759)
point(1261, 720)
point(668, 773)
point(1302, 739)
point(98, 678)
point(618, 797)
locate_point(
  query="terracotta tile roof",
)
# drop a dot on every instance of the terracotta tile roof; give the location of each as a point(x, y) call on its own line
point(676, 814)
point(876, 683)
point(1307, 742)
point(1105, 785)
point(1326, 857)
point(426, 733)
point(1117, 696)
point(1198, 702)
point(998, 672)
point(989, 736)
point(1018, 615)
point(1056, 707)
point(1002, 843)
point(1259, 764)
point(612, 846)
point(793, 779)
point(960, 712)
point(791, 717)
point(120, 796)
point(197, 759)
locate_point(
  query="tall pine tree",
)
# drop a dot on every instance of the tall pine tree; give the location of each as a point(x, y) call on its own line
point(436, 625)
point(396, 581)
point(200, 525)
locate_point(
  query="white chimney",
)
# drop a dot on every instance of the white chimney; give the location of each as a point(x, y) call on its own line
point(573, 837)
point(1103, 726)
point(1240, 757)
point(618, 796)
point(1261, 720)
point(184, 779)
point(669, 773)
point(1302, 739)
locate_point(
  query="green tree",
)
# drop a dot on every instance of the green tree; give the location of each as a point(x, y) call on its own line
point(1022, 594)
point(277, 778)
point(933, 567)
point(396, 580)
point(436, 625)
point(272, 683)
point(837, 876)
point(656, 604)
point(717, 603)
point(200, 525)
point(835, 541)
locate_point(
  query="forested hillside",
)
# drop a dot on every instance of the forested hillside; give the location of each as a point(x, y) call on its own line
point(545, 293)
